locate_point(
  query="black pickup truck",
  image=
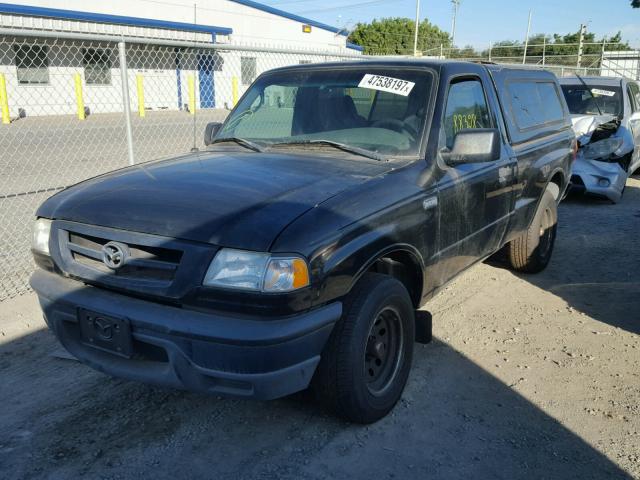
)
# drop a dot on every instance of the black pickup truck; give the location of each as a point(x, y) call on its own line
point(297, 249)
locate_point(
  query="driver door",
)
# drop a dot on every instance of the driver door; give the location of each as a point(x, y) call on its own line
point(475, 199)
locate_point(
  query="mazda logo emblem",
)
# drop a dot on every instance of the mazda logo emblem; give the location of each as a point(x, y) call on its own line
point(114, 254)
point(103, 327)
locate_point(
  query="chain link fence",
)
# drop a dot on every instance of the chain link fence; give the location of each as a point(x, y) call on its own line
point(564, 59)
point(75, 107)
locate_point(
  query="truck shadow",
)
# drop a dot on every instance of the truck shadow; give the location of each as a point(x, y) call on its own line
point(596, 260)
point(63, 420)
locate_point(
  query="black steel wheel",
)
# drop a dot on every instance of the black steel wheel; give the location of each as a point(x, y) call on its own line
point(366, 362)
point(383, 353)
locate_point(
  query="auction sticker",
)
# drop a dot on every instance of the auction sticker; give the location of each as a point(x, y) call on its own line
point(386, 84)
point(599, 91)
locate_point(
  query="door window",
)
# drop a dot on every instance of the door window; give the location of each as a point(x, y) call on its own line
point(466, 108)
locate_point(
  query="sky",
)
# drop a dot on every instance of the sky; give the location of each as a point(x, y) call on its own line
point(482, 21)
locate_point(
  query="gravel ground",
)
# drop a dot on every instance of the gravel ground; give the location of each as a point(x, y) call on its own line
point(527, 377)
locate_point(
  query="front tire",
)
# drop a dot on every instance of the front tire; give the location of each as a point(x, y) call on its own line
point(366, 362)
point(531, 251)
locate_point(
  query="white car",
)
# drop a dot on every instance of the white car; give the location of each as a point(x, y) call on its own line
point(605, 113)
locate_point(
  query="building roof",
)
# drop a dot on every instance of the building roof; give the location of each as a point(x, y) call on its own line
point(113, 19)
point(152, 23)
point(291, 16)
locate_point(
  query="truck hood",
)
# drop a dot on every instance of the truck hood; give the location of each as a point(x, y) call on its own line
point(226, 198)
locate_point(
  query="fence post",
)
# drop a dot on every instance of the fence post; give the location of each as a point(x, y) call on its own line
point(4, 101)
point(526, 39)
point(79, 97)
point(191, 88)
point(490, 49)
point(441, 51)
point(544, 51)
point(583, 29)
point(234, 90)
point(124, 77)
point(140, 88)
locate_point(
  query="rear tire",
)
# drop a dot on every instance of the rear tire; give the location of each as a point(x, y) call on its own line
point(531, 252)
point(366, 362)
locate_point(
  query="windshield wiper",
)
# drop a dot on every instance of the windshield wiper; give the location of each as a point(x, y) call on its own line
point(341, 146)
point(240, 141)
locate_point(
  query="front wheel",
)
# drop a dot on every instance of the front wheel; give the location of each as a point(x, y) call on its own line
point(366, 362)
point(531, 251)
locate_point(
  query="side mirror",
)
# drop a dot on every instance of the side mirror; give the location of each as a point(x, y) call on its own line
point(210, 132)
point(475, 145)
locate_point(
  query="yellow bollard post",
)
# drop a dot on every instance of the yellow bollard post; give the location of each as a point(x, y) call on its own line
point(79, 98)
point(234, 90)
point(140, 85)
point(191, 86)
point(4, 101)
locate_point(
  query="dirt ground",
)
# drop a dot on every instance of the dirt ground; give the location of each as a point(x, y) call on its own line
point(527, 377)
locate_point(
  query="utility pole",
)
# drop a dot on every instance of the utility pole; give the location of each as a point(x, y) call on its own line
point(415, 34)
point(456, 5)
point(583, 30)
point(526, 39)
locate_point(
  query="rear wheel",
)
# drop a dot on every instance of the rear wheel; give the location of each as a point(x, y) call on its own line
point(366, 362)
point(532, 251)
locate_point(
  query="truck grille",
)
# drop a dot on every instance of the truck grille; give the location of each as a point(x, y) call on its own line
point(154, 265)
point(144, 262)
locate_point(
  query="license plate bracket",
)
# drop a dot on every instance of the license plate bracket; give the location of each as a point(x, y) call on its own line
point(106, 332)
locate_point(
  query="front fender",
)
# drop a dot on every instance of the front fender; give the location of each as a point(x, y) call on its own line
point(344, 262)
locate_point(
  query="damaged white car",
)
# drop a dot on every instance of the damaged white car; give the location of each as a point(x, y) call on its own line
point(606, 118)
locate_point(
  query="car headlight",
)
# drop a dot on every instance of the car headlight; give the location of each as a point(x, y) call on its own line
point(602, 148)
point(256, 271)
point(41, 232)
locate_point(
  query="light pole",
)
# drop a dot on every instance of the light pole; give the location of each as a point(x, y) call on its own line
point(415, 34)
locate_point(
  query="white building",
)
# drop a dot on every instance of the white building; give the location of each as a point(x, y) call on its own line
point(625, 63)
point(46, 76)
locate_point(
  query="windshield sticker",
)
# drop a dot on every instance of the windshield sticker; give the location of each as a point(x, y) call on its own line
point(599, 91)
point(386, 84)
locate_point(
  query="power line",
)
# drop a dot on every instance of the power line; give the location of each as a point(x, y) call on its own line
point(346, 7)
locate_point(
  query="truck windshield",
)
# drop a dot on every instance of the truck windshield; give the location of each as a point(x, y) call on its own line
point(580, 101)
point(364, 109)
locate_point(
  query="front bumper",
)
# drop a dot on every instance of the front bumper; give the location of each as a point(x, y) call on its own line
point(588, 176)
point(239, 356)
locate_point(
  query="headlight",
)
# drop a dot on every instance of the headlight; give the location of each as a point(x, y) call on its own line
point(41, 231)
point(602, 148)
point(256, 271)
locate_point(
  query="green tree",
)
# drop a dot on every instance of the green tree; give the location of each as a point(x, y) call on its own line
point(559, 49)
point(394, 36)
point(635, 3)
